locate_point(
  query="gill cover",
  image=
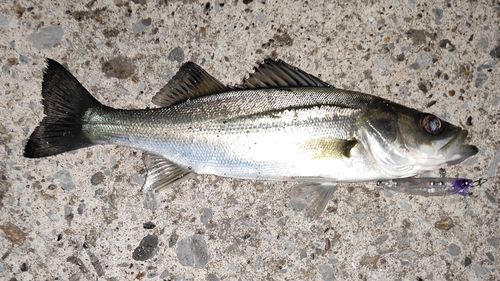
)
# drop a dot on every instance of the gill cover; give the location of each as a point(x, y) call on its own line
point(406, 142)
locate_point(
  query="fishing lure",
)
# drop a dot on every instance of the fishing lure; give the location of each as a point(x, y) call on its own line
point(428, 186)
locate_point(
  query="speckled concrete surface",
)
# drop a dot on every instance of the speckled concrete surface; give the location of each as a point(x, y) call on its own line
point(81, 215)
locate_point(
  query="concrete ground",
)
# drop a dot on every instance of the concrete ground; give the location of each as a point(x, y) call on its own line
point(82, 216)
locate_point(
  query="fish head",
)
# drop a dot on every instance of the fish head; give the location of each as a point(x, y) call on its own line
point(406, 142)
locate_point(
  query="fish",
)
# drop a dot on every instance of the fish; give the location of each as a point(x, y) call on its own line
point(280, 124)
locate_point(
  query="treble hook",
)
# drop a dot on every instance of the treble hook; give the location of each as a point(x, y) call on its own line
point(479, 182)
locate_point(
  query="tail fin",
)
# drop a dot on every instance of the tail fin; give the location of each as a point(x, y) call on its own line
point(65, 102)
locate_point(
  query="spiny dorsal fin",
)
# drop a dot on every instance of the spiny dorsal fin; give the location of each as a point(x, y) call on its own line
point(162, 173)
point(277, 74)
point(191, 81)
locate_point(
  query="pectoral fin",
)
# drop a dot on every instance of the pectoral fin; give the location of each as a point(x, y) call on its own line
point(162, 173)
point(315, 196)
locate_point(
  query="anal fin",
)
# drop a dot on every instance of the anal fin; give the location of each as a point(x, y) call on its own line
point(315, 196)
point(162, 173)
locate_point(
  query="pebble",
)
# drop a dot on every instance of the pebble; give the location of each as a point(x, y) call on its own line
point(447, 58)
point(97, 178)
point(469, 121)
point(65, 179)
point(369, 260)
point(438, 15)
point(78, 262)
point(383, 64)
point(407, 254)
point(303, 254)
point(122, 91)
point(446, 44)
point(490, 256)
point(479, 269)
point(333, 261)
point(47, 37)
point(495, 52)
point(381, 239)
point(444, 224)
point(282, 221)
point(481, 77)
point(4, 20)
point(494, 241)
point(165, 274)
point(326, 272)
point(152, 275)
point(192, 251)
point(95, 262)
point(213, 277)
point(119, 67)
point(177, 54)
point(6, 69)
point(206, 216)
point(68, 214)
point(467, 261)
point(173, 240)
point(495, 101)
point(453, 249)
point(422, 61)
point(81, 208)
point(403, 205)
point(147, 248)
point(482, 43)
point(389, 193)
point(53, 217)
point(13, 233)
point(148, 225)
point(142, 25)
point(492, 169)
point(290, 247)
point(260, 17)
point(268, 237)
point(151, 200)
point(138, 179)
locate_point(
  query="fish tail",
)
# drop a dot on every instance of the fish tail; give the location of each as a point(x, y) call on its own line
point(65, 103)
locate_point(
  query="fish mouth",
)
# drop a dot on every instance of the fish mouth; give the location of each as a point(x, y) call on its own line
point(455, 151)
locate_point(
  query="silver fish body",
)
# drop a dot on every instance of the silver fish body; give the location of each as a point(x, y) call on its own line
point(281, 124)
point(269, 134)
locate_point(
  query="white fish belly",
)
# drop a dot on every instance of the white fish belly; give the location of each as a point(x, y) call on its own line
point(271, 156)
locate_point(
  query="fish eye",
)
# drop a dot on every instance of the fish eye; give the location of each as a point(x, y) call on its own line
point(431, 124)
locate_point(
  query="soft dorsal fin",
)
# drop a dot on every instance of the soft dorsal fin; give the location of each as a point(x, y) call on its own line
point(277, 74)
point(191, 81)
point(162, 173)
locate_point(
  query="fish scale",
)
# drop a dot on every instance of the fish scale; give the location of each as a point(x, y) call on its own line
point(226, 134)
